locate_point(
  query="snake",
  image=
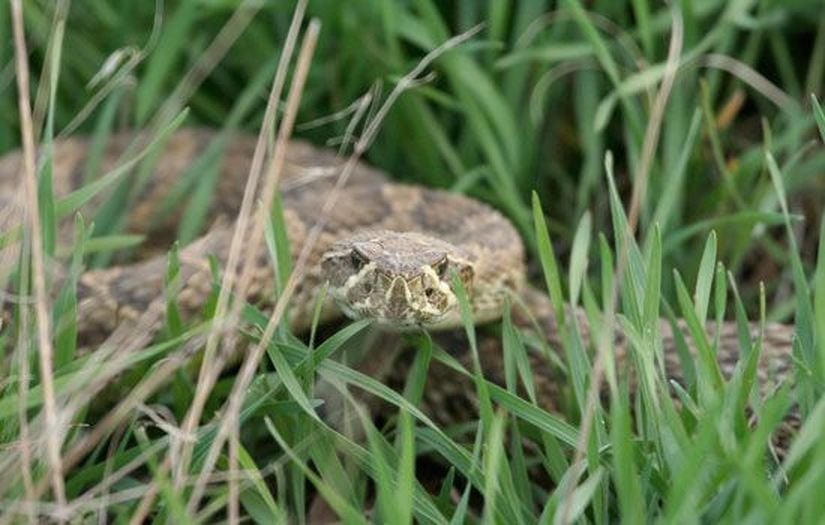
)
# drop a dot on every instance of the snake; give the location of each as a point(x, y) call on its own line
point(386, 251)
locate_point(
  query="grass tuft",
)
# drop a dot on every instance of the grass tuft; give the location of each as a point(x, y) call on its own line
point(704, 117)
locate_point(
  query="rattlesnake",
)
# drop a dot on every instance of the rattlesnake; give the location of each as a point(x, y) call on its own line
point(387, 250)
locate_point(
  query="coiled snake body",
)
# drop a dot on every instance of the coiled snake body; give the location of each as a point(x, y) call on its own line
point(388, 252)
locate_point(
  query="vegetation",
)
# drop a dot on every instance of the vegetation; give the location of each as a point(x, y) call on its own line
point(687, 137)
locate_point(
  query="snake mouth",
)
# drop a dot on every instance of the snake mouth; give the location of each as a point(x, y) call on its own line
point(394, 307)
point(395, 302)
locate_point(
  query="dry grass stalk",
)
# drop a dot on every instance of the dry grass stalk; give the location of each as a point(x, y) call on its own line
point(154, 313)
point(233, 511)
point(212, 366)
point(111, 355)
point(124, 408)
point(52, 432)
point(254, 357)
point(751, 77)
point(256, 238)
point(160, 375)
point(651, 141)
point(211, 56)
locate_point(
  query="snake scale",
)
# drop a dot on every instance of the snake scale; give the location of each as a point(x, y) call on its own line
point(387, 251)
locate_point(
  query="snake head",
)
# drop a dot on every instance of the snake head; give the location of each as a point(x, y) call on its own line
point(399, 279)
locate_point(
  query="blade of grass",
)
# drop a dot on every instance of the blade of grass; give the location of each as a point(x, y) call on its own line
point(65, 307)
point(485, 407)
point(578, 257)
point(710, 376)
point(819, 301)
point(338, 503)
point(704, 279)
point(804, 316)
point(819, 116)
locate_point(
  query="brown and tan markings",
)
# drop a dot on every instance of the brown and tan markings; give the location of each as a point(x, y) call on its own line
point(387, 250)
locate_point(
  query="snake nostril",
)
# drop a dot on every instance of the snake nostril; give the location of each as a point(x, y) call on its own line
point(429, 292)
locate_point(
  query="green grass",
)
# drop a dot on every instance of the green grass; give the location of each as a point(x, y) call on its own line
point(544, 115)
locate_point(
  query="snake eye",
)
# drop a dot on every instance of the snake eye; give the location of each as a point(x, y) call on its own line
point(429, 292)
point(357, 260)
point(441, 267)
